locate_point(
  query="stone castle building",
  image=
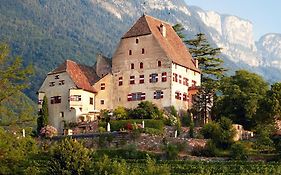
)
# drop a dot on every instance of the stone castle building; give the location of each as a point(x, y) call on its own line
point(150, 63)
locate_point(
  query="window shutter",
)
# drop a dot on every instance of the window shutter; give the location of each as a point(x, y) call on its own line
point(162, 94)
point(154, 95)
point(142, 96)
point(129, 97)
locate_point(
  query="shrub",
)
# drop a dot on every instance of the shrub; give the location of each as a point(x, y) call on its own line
point(238, 151)
point(48, 131)
point(211, 130)
point(145, 110)
point(210, 150)
point(171, 151)
point(121, 113)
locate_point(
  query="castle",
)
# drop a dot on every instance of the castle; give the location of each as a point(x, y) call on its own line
point(150, 63)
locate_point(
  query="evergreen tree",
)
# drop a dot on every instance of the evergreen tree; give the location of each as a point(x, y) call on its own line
point(42, 119)
point(13, 77)
point(212, 71)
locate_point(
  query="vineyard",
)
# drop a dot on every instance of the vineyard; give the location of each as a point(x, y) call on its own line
point(205, 168)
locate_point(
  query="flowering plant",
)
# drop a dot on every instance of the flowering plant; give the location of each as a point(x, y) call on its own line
point(48, 131)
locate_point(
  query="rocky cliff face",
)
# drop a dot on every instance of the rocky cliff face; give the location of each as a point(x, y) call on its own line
point(233, 34)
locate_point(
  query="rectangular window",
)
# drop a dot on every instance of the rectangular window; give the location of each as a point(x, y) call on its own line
point(175, 77)
point(132, 66)
point(141, 79)
point(102, 86)
point(55, 99)
point(158, 94)
point(136, 96)
point(193, 83)
point(102, 102)
point(164, 76)
point(130, 52)
point(179, 79)
point(62, 114)
point(120, 81)
point(132, 79)
point(51, 84)
point(153, 78)
point(57, 77)
point(40, 102)
point(142, 50)
point(184, 97)
point(75, 98)
point(178, 95)
point(185, 81)
point(91, 100)
point(61, 82)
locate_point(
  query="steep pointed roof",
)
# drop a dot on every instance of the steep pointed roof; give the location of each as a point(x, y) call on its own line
point(82, 76)
point(171, 44)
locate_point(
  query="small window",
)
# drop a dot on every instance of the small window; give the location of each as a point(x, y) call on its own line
point(102, 102)
point(141, 79)
point(55, 99)
point(185, 81)
point(61, 114)
point(141, 65)
point(57, 77)
point(130, 52)
point(51, 84)
point(184, 97)
point(132, 66)
point(194, 83)
point(175, 77)
point(159, 63)
point(132, 79)
point(75, 98)
point(102, 86)
point(179, 79)
point(91, 100)
point(164, 76)
point(61, 82)
point(80, 109)
point(158, 94)
point(120, 81)
point(137, 40)
point(178, 95)
point(153, 78)
point(142, 50)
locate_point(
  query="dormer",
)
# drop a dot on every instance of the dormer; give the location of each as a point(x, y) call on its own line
point(163, 30)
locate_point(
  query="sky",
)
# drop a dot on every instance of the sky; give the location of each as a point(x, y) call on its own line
point(264, 14)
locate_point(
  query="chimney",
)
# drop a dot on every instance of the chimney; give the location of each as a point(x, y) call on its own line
point(163, 30)
point(196, 63)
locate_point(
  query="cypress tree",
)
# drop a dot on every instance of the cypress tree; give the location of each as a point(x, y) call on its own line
point(43, 115)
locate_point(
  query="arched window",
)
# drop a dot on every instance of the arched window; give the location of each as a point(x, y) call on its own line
point(132, 66)
point(159, 63)
point(141, 65)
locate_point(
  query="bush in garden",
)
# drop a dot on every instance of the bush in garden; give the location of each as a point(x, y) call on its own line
point(238, 151)
point(120, 113)
point(48, 131)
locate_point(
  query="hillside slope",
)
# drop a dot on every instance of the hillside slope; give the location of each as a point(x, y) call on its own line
point(47, 32)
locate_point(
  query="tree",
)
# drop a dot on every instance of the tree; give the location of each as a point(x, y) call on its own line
point(42, 119)
point(69, 157)
point(13, 77)
point(212, 71)
point(240, 99)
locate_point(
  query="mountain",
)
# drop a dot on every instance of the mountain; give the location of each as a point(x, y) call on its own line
point(45, 33)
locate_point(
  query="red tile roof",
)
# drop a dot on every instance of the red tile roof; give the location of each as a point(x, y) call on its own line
point(171, 44)
point(81, 75)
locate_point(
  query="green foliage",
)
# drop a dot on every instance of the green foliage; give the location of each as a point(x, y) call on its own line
point(191, 130)
point(221, 132)
point(120, 113)
point(43, 115)
point(69, 157)
point(238, 151)
point(264, 143)
point(146, 110)
point(241, 97)
point(13, 76)
point(274, 100)
point(171, 151)
point(16, 152)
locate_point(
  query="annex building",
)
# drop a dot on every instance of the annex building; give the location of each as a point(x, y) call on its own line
point(150, 63)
